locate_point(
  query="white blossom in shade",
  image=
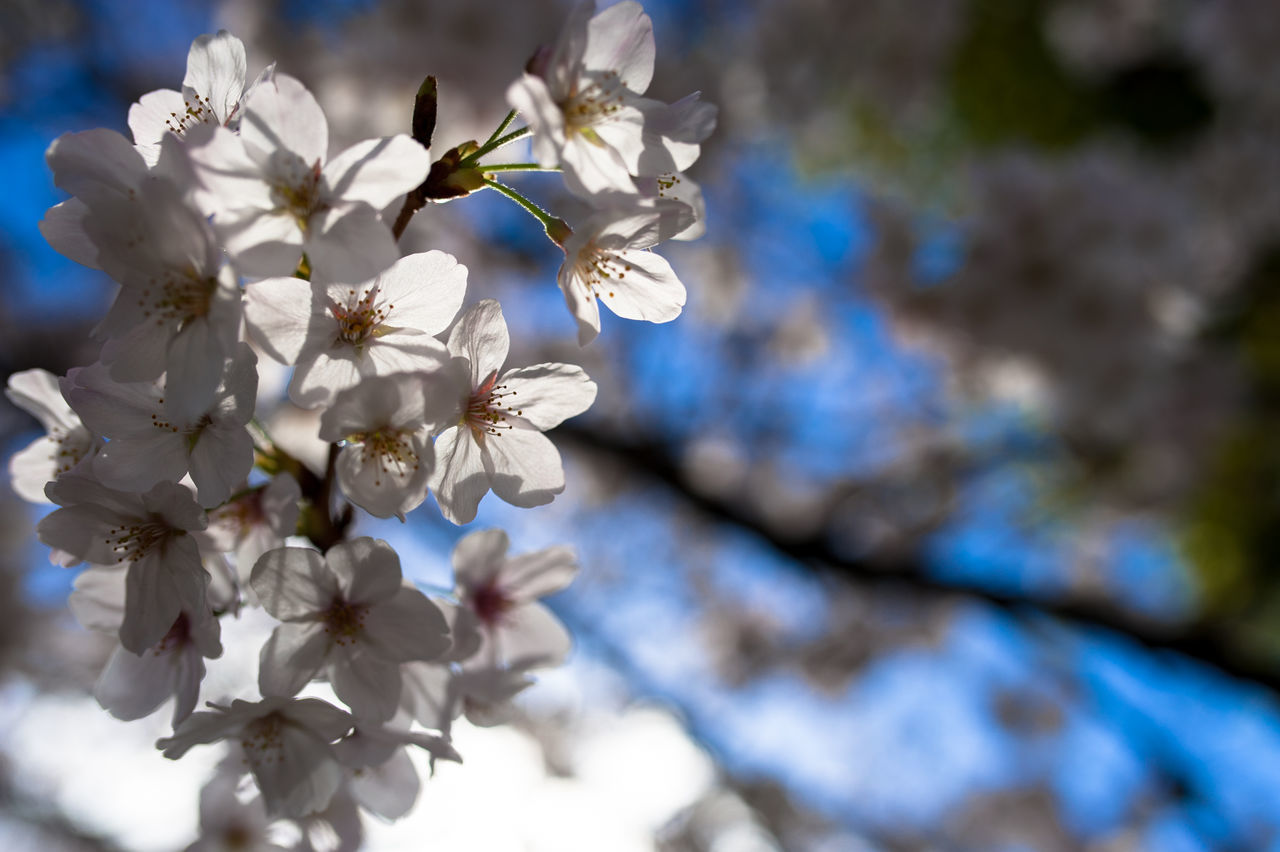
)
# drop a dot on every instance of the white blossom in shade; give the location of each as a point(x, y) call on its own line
point(498, 442)
point(677, 186)
point(131, 685)
point(501, 593)
point(382, 777)
point(67, 441)
point(436, 695)
point(150, 533)
point(347, 612)
point(385, 425)
point(274, 197)
point(211, 93)
point(178, 308)
point(286, 742)
point(145, 445)
point(339, 334)
point(256, 521)
point(607, 261)
point(582, 99)
point(228, 824)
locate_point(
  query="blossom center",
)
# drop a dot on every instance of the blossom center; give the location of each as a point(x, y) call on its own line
point(486, 410)
point(596, 269)
point(390, 451)
point(594, 102)
point(491, 603)
point(360, 318)
point(178, 637)
point(263, 739)
point(178, 297)
point(344, 621)
point(199, 111)
point(295, 186)
point(131, 543)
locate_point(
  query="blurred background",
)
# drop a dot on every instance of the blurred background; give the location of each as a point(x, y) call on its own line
point(944, 518)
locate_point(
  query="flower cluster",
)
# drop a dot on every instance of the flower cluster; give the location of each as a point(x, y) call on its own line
point(233, 236)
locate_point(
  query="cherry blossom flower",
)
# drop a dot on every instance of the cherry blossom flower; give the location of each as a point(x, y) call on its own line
point(348, 613)
point(67, 441)
point(149, 533)
point(211, 94)
point(498, 442)
point(386, 425)
point(607, 260)
point(582, 99)
point(338, 334)
point(500, 593)
point(254, 522)
point(274, 197)
point(286, 742)
point(178, 309)
point(146, 446)
point(436, 695)
point(227, 823)
point(131, 685)
point(382, 778)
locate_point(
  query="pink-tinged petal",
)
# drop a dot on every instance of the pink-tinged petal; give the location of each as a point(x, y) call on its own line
point(530, 96)
point(134, 685)
point(150, 117)
point(426, 289)
point(350, 245)
point(96, 166)
point(548, 394)
point(216, 68)
point(406, 627)
point(377, 171)
point(291, 658)
point(481, 337)
point(620, 39)
point(367, 569)
point(220, 462)
point(649, 290)
point(293, 583)
point(97, 599)
point(543, 572)
point(531, 635)
point(388, 789)
point(316, 383)
point(281, 113)
point(460, 479)
point(478, 557)
point(63, 229)
point(370, 686)
point(524, 466)
point(281, 314)
point(298, 776)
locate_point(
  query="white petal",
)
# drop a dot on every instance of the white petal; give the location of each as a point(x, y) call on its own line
point(548, 394)
point(620, 39)
point(460, 479)
point(426, 289)
point(531, 635)
point(216, 69)
point(220, 462)
point(291, 657)
point(377, 171)
point(532, 575)
point(407, 627)
point(149, 118)
point(388, 789)
point(285, 315)
point(63, 228)
point(367, 569)
point(581, 303)
point(96, 166)
point(350, 245)
point(293, 583)
point(647, 290)
point(370, 686)
point(478, 557)
point(530, 96)
point(526, 469)
point(281, 113)
point(134, 685)
point(481, 337)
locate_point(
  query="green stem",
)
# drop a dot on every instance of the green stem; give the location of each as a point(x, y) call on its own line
point(506, 122)
point(556, 229)
point(493, 145)
point(516, 167)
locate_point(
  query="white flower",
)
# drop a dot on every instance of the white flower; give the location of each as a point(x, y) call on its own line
point(436, 694)
point(178, 309)
point(607, 260)
point(385, 425)
point(149, 533)
point(582, 99)
point(338, 334)
point(226, 822)
point(67, 441)
point(255, 522)
point(131, 685)
point(349, 613)
point(382, 777)
point(500, 593)
point(274, 197)
point(498, 442)
point(211, 93)
point(286, 743)
point(146, 446)
point(677, 186)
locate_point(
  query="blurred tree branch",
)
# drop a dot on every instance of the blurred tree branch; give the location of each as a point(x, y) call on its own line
point(1203, 640)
